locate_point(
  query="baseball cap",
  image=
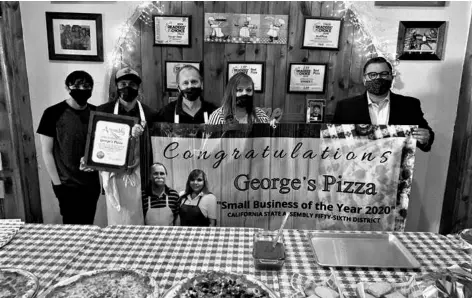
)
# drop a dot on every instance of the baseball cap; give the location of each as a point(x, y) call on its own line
point(127, 74)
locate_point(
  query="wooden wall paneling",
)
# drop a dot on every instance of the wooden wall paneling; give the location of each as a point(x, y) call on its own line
point(343, 63)
point(457, 207)
point(358, 59)
point(16, 91)
point(257, 52)
point(214, 61)
point(151, 56)
point(195, 9)
point(278, 54)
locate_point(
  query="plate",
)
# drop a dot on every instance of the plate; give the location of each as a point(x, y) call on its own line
point(58, 290)
point(367, 250)
point(31, 282)
point(173, 292)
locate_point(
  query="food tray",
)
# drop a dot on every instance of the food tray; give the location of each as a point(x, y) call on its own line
point(376, 250)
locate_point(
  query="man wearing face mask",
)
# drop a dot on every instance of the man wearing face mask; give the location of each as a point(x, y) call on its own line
point(63, 131)
point(382, 107)
point(189, 106)
point(123, 190)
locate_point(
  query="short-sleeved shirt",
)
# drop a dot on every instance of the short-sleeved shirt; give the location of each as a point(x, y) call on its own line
point(166, 114)
point(68, 127)
point(218, 116)
point(160, 201)
point(207, 204)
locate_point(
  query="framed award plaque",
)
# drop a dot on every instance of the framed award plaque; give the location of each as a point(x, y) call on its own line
point(108, 143)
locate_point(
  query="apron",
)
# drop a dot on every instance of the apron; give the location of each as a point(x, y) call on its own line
point(192, 216)
point(123, 191)
point(177, 118)
point(159, 216)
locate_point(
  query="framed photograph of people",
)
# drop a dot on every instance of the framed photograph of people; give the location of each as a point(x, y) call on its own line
point(172, 68)
point(321, 33)
point(421, 40)
point(253, 69)
point(172, 30)
point(315, 110)
point(108, 142)
point(74, 36)
point(307, 77)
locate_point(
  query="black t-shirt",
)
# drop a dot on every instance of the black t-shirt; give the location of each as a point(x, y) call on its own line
point(166, 114)
point(68, 127)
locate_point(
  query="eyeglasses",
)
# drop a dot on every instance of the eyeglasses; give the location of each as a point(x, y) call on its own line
point(124, 84)
point(81, 86)
point(375, 75)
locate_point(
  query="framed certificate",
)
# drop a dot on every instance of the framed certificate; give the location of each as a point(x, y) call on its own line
point(108, 142)
point(322, 33)
point(307, 77)
point(172, 30)
point(172, 68)
point(253, 69)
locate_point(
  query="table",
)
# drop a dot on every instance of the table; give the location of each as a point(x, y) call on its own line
point(433, 252)
point(169, 254)
point(45, 250)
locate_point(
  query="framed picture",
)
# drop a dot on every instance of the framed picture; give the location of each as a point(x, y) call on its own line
point(410, 3)
point(253, 69)
point(315, 110)
point(421, 40)
point(307, 77)
point(172, 68)
point(108, 142)
point(75, 36)
point(322, 33)
point(172, 30)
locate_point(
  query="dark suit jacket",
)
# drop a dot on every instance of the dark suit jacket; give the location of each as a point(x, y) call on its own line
point(404, 110)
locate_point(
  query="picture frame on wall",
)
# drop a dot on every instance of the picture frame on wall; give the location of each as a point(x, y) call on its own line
point(74, 36)
point(253, 69)
point(171, 70)
point(315, 110)
point(321, 33)
point(421, 40)
point(172, 30)
point(307, 77)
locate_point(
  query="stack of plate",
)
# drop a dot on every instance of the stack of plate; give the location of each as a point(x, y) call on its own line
point(8, 229)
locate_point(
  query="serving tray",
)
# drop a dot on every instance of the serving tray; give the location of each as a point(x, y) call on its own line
point(376, 250)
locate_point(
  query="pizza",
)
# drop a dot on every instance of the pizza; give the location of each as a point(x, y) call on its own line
point(17, 283)
point(220, 284)
point(122, 283)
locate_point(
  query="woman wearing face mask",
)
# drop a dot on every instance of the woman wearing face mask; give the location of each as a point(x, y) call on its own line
point(198, 208)
point(238, 103)
point(123, 191)
point(160, 203)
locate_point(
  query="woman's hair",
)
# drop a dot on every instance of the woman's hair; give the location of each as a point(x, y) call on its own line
point(229, 97)
point(192, 176)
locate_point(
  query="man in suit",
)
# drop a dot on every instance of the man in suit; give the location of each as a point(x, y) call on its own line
point(378, 105)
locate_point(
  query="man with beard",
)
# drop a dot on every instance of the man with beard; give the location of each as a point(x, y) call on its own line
point(63, 131)
point(380, 106)
point(238, 103)
point(189, 106)
point(123, 191)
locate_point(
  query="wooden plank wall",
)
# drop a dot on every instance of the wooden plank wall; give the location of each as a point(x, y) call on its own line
point(344, 66)
point(22, 199)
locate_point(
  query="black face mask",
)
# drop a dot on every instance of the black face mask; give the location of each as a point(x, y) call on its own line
point(191, 94)
point(378, 86)
point(245, 101)
point(81, 96)
point(128, 94)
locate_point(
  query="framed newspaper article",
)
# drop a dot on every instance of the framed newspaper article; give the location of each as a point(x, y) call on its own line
point(253, 69)
point(307, 77)
point(108, 142)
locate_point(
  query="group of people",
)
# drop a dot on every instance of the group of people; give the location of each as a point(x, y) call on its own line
point(140, 194)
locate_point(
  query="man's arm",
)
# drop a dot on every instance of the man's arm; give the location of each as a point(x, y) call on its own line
point(48, 157)
point(337, 118)
point(422, 123)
